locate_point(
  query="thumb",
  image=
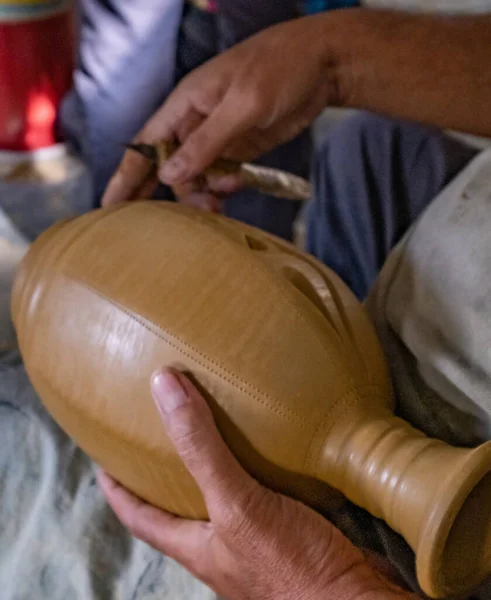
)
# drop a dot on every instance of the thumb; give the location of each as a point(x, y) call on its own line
point(190, 426)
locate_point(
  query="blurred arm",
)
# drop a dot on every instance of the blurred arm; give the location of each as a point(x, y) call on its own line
point(436, 70)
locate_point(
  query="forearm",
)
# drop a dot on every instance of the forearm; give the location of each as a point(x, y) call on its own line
point(431, 69)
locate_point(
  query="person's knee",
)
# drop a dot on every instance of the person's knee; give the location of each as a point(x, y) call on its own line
point(363, 151)
point(342, 159)
point(349, 135)
point(346, 214)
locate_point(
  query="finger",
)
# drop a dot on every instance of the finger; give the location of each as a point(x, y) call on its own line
point(216, 184)
point(231, 133)
point(169, 119)
point(133, 173)
point(206, 143)
point(224, 184)
point(190, 426)
point(183, 540)
point(134, 169)
point(194, 194)
point(190, 187)
point(148, 187)
point(202, 201)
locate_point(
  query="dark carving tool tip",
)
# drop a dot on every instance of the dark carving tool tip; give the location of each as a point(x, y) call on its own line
point(146, 150)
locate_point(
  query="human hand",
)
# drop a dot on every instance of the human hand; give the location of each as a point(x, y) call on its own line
point(259, 94)
point(258, 545)
point(207, 193)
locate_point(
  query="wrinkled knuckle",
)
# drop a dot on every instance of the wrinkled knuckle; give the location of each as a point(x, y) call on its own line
point(186, 434)
point(187, 440)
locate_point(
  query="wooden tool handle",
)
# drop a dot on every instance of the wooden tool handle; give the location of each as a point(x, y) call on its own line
point(275, 182)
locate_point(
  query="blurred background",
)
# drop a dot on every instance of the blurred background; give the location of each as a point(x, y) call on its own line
point(79, 79)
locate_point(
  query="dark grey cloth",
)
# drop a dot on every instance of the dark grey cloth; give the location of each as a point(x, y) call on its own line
point(372, 178)
point(59, 540)
point(240, 19)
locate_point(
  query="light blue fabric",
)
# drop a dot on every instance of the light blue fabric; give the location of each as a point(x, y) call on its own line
point(58, 538)
point(126, 69)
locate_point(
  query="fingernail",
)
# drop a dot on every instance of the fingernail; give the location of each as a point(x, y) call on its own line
point(172, 170)
point(167, 392)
